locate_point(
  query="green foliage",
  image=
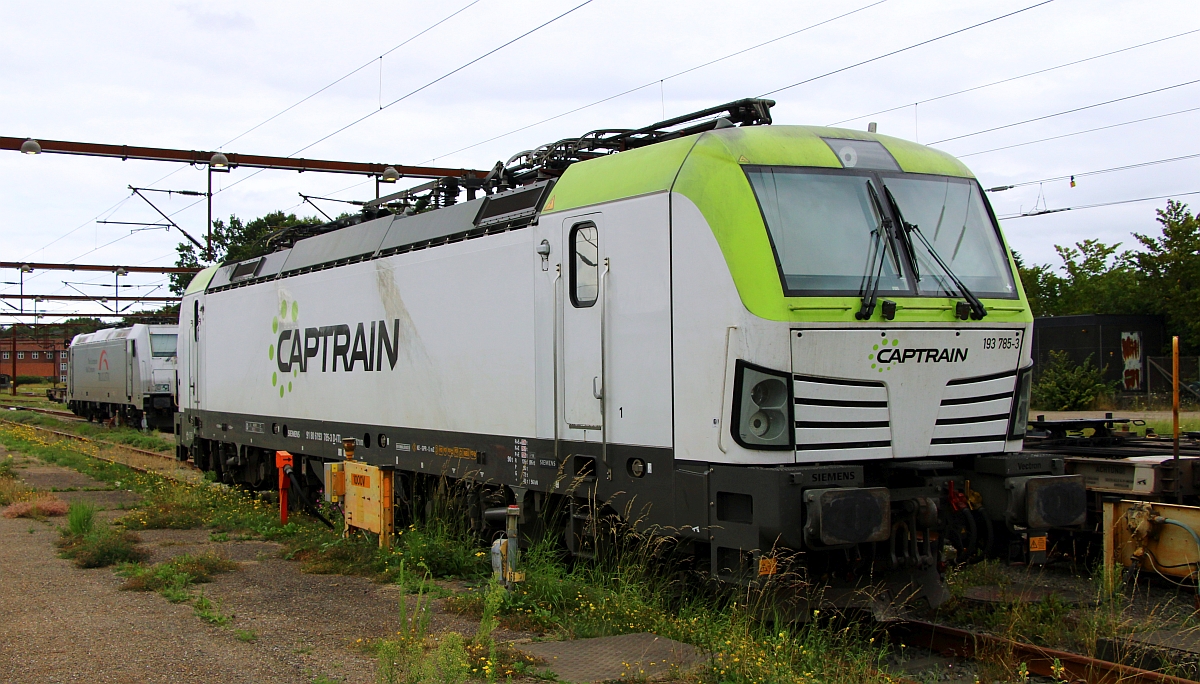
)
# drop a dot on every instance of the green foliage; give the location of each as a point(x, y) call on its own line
point(1066, 386)
point(81, 518)
point(30, 380)
point(1093, 278)
point(1161, 277)
point(452, 660)
point(235, 241)
point(101, 546)
point(118, 435)
point(209, 611)
point(1169, 272)
point(247, 636)
point(172, 578)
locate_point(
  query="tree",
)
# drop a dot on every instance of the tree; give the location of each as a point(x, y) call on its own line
point(1066, 386)
point(1099, 279)
point(1096, 279)
point(1169, 273)
point(1043, 287)
point(235, 241)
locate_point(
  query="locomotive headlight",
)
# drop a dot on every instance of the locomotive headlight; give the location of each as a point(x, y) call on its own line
point(1019, 419)
point(762, 408)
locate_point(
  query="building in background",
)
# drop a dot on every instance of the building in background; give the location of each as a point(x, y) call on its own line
point(36, 356)
point(1121, 345)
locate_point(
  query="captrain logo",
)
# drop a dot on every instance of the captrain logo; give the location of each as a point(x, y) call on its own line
point(369, 346)
point(889, 352)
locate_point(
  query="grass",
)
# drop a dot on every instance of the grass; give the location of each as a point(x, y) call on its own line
point(93, 544)
point(415, 655)
point(119, 435)
point(1103, 613)
point(210, 611)
point(172, 578)
point(246, 636)
point(632, 587)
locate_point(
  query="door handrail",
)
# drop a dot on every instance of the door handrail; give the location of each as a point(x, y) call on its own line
point(603, 377)
point(557, 313)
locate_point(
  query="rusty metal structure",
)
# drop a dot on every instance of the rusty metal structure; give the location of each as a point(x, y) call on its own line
point(1047, 662)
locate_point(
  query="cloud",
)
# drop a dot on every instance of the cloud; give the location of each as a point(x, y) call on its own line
point(206, 19)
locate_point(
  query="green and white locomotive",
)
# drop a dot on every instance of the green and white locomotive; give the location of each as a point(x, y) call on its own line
point(759, 338)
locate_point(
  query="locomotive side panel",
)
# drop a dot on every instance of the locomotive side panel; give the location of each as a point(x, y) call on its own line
point(98, 371)
point(713, 330)
point(437, 339)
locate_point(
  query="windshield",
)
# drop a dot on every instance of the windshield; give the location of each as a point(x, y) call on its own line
point(950, 213)
point(162, 344)
point(824, 229)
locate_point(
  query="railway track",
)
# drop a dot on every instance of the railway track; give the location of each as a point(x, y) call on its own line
point(142, 460)
point(1047, 662)
point(49, 412)
point(940, 639)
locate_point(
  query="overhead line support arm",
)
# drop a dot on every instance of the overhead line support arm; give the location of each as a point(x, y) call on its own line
point(257, 161)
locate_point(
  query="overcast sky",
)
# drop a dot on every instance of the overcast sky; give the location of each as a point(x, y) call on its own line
point(198, 75)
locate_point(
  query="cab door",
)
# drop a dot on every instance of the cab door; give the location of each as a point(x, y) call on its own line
point(130, 365)
point(583, 328)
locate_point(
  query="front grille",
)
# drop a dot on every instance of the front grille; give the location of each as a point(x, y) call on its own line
point(973, 415)
point(843, 419)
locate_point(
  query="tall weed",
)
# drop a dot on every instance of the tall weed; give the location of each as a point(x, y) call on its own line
point(81, 518)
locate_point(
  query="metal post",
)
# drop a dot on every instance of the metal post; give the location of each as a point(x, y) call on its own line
point(13, 381)
point(116, 292)
point(1175, 418)
point(208, 242)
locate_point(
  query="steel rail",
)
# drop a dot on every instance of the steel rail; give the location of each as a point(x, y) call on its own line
point(112, 445)
point(1039, 660)
point(49, 412)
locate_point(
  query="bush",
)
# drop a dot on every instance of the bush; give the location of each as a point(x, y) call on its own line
point(1066, 386)
point(94, 546)
point(39, 508)
point(31, 380)
point(172, 578)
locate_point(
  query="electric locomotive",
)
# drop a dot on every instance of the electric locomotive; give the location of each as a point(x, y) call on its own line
point(756, 337)
point(124, 374)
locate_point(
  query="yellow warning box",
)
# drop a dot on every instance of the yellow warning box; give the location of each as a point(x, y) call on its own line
point(369, 500)
point(1037, 544)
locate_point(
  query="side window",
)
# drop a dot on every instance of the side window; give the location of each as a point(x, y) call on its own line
point(585, 269)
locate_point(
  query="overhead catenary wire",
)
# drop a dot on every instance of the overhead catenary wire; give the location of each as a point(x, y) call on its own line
point(1068, 111)
point(446, 75)
point(399, 99)
point(1089, 130)
point(657, 81)
point(348, 75)
point(275, 116)
point(1043, 212)
point(1014, 78)
point(363, 118)
point(1085, 174)
point(906, 49)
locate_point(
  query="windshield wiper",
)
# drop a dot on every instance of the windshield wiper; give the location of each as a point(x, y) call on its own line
point(869, 289)
point(976, 308)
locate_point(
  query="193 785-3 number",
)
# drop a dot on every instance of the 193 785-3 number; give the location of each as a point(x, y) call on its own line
point(1000, 343)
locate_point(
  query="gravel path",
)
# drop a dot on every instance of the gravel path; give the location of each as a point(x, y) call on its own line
point(62, 624)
